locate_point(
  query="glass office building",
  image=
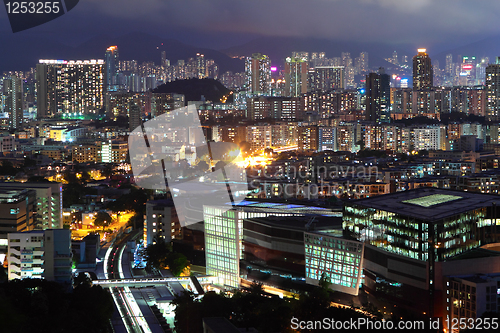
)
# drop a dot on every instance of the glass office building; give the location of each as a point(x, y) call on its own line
point(339, 260)
point(409, 235)
point(427, 224)
point(224, 233)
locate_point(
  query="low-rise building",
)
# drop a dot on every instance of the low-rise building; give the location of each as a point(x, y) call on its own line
point(161, 222)
point(40, 254)
point(48, 202)
point(17, 209)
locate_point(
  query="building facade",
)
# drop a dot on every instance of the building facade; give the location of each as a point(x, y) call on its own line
point(40, 254)
point(161, 222)
point(71, 88)
point(17, 209)
point(423, 74)
point(258, 74)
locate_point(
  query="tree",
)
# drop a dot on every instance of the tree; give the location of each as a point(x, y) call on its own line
point(160, 256)
point(324, 281)
point(156, 254)
point(72, 194)
point(107, 171)
point(28, 162)
point(7, 168)
point(256, 288)
point(82, 279)
point(133, 201)
point(202, 166)
point(102, 219)
point(176, 263)
point(245, 147)
point(188, 317)
point(37, 305)
point(37, 179)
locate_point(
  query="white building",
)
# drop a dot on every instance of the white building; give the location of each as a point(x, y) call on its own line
point(161, 221)
point(472, 129)
point(469, 296)
point(429, 138)
point(40, 254)
point(259, 137)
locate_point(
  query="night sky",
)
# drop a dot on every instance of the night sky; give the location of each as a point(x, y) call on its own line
point(224, 23)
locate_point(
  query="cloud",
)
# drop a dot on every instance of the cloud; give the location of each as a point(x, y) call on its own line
point(394, 21)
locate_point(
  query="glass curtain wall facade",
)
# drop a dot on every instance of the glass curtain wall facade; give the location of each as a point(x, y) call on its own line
point(340, 260)
point(416, 238)
point(224, 234)
point(222, 246)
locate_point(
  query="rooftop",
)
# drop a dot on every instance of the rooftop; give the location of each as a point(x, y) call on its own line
point(479, 278)
point(299, 223)
point(476, 254)
point(429, 203)
point(271, 207)
point(13, 195)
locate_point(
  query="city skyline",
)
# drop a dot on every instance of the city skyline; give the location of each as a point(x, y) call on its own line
point(446, 27)
point(343, 156)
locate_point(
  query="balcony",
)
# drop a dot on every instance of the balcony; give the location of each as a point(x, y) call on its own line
point(25, 251)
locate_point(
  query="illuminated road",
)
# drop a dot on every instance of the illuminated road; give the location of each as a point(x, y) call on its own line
point(133, 307)
point(130, 312)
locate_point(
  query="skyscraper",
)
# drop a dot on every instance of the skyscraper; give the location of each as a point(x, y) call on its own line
point(70, 88)
point(201, 66)
point(363, 63)
point(327, 78)
point(493, 90)
point(258, 74)
point(378, 96)
point(112, 68)
point(134, 115)
point(449, 64)
point(164, 61)
point(13, 96)
point(295, 76)
point(422, 70)
point(395, 58)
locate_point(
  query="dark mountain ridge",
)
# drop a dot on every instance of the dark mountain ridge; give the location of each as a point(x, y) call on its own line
point(193, 89)
point(27, 50)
